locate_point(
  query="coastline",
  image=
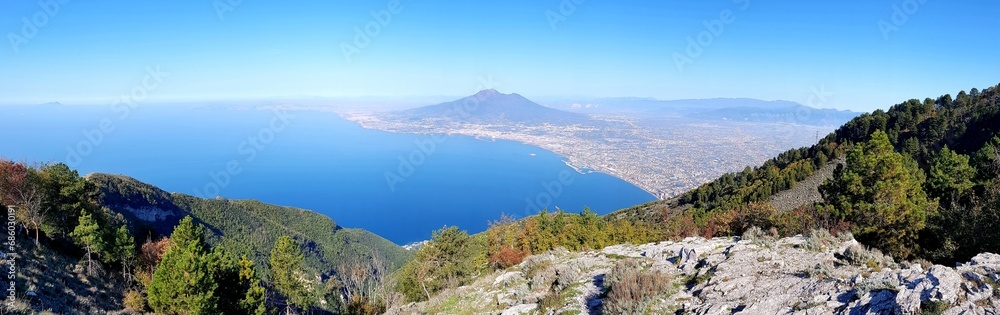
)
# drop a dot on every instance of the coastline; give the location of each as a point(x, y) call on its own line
point(368, 121)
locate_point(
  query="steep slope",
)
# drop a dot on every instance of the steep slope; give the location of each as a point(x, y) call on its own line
point(245, 227)
point(805, 192)
point(754, 274)
point(490, 106)
point(962, 225)
point(916, 128)
point(50, 281)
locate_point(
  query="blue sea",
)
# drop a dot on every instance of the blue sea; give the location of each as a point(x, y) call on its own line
point(400, 186)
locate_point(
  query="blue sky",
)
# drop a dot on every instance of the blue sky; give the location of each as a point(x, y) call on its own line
point(92, 52)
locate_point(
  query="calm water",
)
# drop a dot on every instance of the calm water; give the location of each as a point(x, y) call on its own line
point(397, 185)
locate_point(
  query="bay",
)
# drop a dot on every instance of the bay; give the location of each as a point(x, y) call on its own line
point(400, 186)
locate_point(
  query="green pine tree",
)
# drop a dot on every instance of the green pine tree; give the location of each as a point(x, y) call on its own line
point(122, 250)
point(253, 301)
point(448, 260)
point(88, 234)
point(950, 176)
point(239, 289)
point(68, 197)
point(879, 191)
point(183, 282)
point(288, 275)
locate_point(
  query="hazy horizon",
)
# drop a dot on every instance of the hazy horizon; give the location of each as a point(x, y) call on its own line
point(858, 56)
point(388, 102)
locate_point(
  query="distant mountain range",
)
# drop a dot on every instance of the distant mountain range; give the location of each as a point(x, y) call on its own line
point(790, 113)
point(727, 109)
point(492, 107)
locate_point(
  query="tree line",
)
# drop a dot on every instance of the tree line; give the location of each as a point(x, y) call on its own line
point(453, 257)
point(922, 180)
point(183, 273)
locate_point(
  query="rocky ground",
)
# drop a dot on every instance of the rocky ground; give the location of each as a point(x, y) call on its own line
point(754, 274)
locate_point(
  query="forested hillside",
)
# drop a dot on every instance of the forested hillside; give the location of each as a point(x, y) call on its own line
point(922, 180)
point(106, 243)
point(248, 227)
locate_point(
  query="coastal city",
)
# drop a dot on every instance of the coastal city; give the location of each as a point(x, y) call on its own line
point(655, 153)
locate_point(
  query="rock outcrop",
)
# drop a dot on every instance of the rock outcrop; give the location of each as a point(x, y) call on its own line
point(815, 274)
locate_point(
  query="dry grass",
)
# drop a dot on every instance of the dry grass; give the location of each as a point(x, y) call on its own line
point(819, 240)
point(860, 255)
point(632, 287)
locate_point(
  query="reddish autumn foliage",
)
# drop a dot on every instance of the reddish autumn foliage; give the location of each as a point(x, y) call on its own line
point(152, 252)
point(12, 181)
point(506, 257)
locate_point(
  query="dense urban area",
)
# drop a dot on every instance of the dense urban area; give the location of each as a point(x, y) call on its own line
point(654, 153)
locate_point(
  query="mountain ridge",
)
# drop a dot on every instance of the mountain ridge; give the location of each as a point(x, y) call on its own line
point(491, 106)
point(718, 109)
point(246, 227)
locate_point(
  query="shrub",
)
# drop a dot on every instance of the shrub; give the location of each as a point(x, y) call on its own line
point(845, 236)
point(359, 306)
point(761, 215)
point(859, 255)
point(819, 240)
point(875, 283)
point(565, 277)
point(924, 263)
point(550, 302)
point(679, 225)
point(450, 259)
point(719, 224)
point(150, 256)
point(934, 307)
point(621, 268)
point(819, 270)
point(135, 302)
point(507, 257)
point(759, 236)
point(540, 274)
point(535, 264)
point(632, 288)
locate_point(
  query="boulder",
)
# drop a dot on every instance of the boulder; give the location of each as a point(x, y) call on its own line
point(520, 309)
